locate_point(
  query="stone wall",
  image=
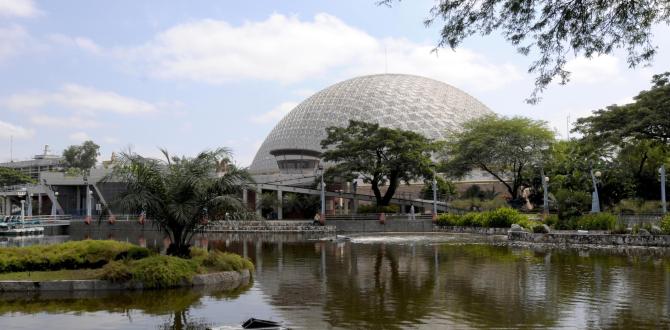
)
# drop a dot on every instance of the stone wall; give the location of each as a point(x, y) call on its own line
point(471, 230)
point(227, 280)
point(591, 239)
point(393, 225)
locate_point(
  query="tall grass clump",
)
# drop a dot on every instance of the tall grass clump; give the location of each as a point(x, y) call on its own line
point(222, 261)
point(665, 224)
point(597, 221)
point(163, 271)
point(68, 255)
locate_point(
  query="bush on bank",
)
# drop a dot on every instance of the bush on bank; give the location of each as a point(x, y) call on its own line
point(120, 262)
point(499, 218)
point(68, 255)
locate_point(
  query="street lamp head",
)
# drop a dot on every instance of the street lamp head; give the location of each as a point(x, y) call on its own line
point(56, 193)
point(546, 179)
point(598, 174)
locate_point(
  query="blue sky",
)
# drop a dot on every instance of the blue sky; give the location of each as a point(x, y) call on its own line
point(194, 75)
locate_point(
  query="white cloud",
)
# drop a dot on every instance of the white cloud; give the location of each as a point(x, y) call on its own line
point(18, 8)
point(79, 137)
point(110, 140)
point(82, 43)
point(287, 49)
point(275, 114)
point(84, 99)
point(71, 121)
point(13, 40)
point(18, 132)
point(598, 69)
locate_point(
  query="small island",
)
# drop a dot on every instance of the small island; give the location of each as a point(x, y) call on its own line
point(113, 265)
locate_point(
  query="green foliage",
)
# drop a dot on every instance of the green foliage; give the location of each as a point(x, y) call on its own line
point(68, 255)
point(665, 224)
point(381, 155)
point(526, 223)
point(161, 271)
point(222, 261)
point(445, 189)
point(550, 30)
point(572, 203)
point(551, 220)
point(500, 218)
point(503, 147)
point(82, 156)
point(540, 229)
point(179, 194)
point(636, 206)
point(116, 271)
point(10, 177)
point(378, 209)
point(597, 221)
point(448, 219)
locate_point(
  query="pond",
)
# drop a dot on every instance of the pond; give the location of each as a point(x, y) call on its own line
point(385, 281)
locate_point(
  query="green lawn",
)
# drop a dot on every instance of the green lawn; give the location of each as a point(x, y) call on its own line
point(77, 274)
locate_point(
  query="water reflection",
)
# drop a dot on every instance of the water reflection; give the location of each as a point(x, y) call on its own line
point(391, 282)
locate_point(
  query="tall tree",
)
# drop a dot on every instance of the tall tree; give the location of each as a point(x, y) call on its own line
point(381, 156)
point(82, 156)
point(646, 119)
point(178, 193)
point(552, 29)
point(503, 147)
point(10, 177)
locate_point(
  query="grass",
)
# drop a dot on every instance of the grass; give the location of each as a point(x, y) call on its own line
point(113, 261)
point(68, 255)
point(52, 275)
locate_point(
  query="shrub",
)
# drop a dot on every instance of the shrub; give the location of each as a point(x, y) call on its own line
point(551, 220)
point(223, 261)
point(134, 253)
point(471, 219)
point(501, 218)
point(116, 271)
point(494, 204)
point(526, 223)
point(665, 224)
point(597, 221)
point(448, 219)
point(68, 255)
point(378, 209)
point(540, 228)
point(161, 271)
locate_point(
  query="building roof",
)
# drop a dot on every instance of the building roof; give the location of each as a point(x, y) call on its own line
point(414, 103)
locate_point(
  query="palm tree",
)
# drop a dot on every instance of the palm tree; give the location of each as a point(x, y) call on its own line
point(179, 194)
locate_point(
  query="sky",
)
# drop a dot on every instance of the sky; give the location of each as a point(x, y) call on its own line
point(194, 75)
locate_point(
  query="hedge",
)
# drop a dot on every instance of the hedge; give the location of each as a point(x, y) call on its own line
point(499, 218)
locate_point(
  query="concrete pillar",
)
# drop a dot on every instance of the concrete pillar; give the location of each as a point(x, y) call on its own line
point(78, 200)
point(259, 194)
point(280, 206)
point(346, 206)
point(245, 197)
point(39, 204)
point(8, 206)
point(29, 204)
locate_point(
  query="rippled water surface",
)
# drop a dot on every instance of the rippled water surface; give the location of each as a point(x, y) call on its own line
point(384, 282)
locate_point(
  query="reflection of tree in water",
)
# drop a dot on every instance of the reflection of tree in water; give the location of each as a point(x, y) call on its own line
point(174, 302)
point(399, 294)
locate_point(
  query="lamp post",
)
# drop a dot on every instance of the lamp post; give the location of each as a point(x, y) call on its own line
point(663, 200)
point(22, 193)
point(323, 195)
point(545, 188)
point(53, 205)
point(595, 199)
point(434, 192)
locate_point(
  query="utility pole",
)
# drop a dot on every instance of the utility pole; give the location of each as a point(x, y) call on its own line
point(323, 195)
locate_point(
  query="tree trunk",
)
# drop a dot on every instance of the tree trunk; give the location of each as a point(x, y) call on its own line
point(393, 185)
point(375, 189)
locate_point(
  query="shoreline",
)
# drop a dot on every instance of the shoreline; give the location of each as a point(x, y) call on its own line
point(224, 280)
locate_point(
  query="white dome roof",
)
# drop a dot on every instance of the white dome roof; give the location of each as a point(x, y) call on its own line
point(414, 103)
